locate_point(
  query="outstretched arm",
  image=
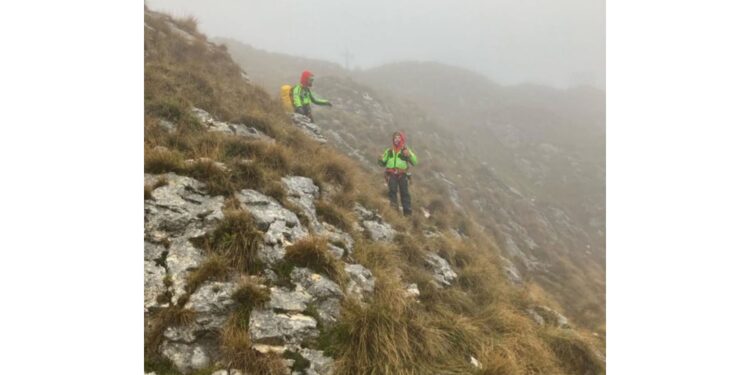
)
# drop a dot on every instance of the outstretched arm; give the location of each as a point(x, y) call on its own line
point(319, 101)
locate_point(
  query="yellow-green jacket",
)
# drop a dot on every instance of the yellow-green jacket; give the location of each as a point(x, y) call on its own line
point(396, 160)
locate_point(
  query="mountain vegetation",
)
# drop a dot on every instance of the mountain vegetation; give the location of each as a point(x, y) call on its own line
point(267, 251)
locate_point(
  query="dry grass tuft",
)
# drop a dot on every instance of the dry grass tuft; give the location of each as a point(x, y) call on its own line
point(218, 181)
point(276, 191)
point(249, 295)
point(312, 252)
point(189, 24)
point(246, 174)
point(215, 268)
point(162, 160)
point(236, 239)
point(391, 336)
point(238, 353)
point(167, 317)
point(409, 249)
point(334, 216)
point(275, 156)
point(575, 354)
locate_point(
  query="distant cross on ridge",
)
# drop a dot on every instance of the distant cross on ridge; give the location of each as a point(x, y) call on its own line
point(347, 56)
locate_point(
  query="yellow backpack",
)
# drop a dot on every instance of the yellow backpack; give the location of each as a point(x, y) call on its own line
point(286, 98)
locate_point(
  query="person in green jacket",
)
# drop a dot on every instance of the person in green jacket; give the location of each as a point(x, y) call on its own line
point(302, 96)
point(396, 160)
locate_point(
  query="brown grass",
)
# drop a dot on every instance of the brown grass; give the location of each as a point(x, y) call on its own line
point(189, 24)
point(333, 215)
point(160, 321)
point(575, 354)
point(160, 160)
point(235, 239)
point(334, 168)
point(215, 268)
point(312, 252)
point(249, 295)
point(392, 336)
point(238, 353)
point(218, 182)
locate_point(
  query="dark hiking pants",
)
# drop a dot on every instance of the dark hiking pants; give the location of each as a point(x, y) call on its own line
point(399, 184)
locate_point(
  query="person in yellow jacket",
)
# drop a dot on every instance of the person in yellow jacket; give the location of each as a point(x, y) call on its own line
point(396, 160)
point(302, 96)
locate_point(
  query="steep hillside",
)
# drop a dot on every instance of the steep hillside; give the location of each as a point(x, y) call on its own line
point(268, 251)
point(527, 162)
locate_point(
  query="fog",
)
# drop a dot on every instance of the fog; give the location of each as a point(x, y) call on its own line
point(551, 42)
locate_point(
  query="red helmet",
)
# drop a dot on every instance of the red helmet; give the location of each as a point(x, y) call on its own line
point(306, 79)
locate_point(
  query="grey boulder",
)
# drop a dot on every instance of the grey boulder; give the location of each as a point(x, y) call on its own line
point(441, 270)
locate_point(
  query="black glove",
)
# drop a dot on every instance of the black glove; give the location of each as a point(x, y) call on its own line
point(404, 157)
point(329, 104)
point(381, 162)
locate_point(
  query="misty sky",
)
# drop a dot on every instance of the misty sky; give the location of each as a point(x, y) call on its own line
point(555, 42)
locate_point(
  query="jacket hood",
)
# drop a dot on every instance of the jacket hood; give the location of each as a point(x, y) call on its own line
point(403, 140)
point(305, 78)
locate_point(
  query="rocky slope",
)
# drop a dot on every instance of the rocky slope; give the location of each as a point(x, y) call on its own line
point(267, 251)
point(527, 161)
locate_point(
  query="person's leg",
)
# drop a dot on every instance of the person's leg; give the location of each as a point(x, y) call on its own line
point(393, 191)
point(403, 186)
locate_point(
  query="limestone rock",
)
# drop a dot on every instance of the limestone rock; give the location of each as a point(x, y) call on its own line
point(308, 127)
point(283, 299)
point(211, 300)
point(203, 160)
point(475, 362)
point(326, 293)
point(512, 273)
point(228, 372)
point(340, 243)
point(268, 327)
point(152, 251)
point(183, 257)
point(214, 125)
point(361, 280)
point(281, 226)
point(302, 192)
point(545, 315)
point(376, 227)
point(153, 284)
point(186, 357)
point(212, 303)
point(379, 231)
point(442, 271)
point(319, 286)
point(412, 290)
point(319, 363)
point(179, 204)
point(167, 126)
